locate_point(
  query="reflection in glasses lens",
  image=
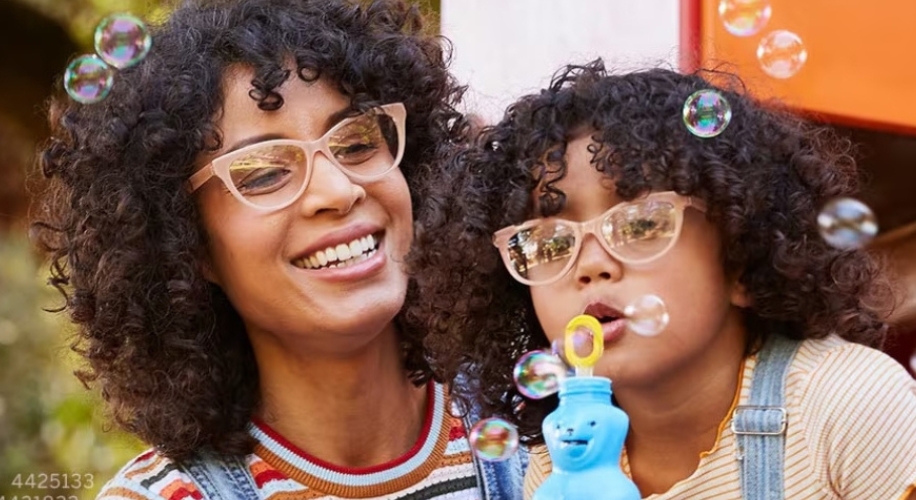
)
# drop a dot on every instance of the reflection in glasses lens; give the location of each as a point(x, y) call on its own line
point(541, 252)
point(635, 232)
point(267, 169)
point(271, 175)
point(640, 231)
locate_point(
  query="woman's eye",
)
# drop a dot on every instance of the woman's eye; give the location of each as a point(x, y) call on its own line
point(354, 149)
point(262, 179)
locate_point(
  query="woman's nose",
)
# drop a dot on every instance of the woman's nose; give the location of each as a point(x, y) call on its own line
point(329, 189)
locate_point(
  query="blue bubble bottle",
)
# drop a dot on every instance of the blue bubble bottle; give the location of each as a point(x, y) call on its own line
point(586, 433)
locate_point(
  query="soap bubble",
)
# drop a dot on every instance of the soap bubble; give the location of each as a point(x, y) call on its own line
point(88, 79)
point(913, 362)
point(494, 439)
point(706, 113)
point(122, 40)
point(745, 17)
point(647, 315)
point(556, 348)
point(781, 54)
point(847, 223)
point(538, 374)
point(583, 345)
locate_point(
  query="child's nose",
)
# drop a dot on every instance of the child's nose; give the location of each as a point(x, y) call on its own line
point(595, 264)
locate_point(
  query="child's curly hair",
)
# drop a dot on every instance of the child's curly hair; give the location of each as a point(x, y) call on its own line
point(123, 234)
point(764, 180)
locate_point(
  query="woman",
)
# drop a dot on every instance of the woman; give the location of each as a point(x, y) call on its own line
point(229, 228)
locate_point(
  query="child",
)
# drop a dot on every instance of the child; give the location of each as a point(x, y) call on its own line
point(756, 297)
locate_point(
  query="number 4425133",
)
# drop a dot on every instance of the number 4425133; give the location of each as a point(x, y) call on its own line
point(40, 497)
point(52, 481)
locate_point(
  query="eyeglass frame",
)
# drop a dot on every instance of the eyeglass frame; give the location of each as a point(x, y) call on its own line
point(593, 226)
point(219, 166)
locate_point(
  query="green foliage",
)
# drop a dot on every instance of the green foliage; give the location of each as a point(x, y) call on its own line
point(80, 17)
point(49, 423)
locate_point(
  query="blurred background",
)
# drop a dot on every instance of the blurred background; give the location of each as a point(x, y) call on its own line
point(850, 77)
point(49, 424)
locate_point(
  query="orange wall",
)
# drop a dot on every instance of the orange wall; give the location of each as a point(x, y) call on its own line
point(861, 66)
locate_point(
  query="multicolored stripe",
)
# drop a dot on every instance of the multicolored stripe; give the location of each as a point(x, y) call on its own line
point(439, 466)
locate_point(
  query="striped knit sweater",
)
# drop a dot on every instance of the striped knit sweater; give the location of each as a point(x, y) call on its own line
point(438, 467)
point(851, 432)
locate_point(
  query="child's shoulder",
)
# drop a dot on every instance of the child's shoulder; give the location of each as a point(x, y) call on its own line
point(149, 476)
point(835, 361)
point(852, 413)
point(835, 380)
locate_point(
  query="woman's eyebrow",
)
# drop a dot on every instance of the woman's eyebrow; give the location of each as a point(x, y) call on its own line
point(253, 140)
point(333, 119)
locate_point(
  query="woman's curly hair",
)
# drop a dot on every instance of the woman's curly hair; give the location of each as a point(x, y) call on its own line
point(764, 180)
point(122, 231)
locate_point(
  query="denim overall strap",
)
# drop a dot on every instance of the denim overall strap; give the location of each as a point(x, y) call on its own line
point(496, 480)
point(221, 478)
point(500, 480)
point(760, 425)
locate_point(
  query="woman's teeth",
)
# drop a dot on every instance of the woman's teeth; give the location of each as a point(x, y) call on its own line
point(342, 255)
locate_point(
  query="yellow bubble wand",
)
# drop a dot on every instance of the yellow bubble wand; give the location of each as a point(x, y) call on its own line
point(584, 365)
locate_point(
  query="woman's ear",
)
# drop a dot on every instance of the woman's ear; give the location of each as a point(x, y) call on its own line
point(206, 267)
point(739, 295)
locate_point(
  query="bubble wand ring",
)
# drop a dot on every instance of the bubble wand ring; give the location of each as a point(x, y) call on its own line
point(585, 364)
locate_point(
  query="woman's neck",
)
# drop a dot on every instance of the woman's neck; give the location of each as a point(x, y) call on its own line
point(353, 410)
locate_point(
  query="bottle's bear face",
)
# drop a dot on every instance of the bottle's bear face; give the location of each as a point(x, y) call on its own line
point(582, 439)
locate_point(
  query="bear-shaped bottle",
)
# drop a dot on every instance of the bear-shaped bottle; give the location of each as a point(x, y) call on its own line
point(585, 437)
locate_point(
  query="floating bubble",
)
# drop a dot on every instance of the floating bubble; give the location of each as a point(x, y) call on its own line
point(707, 113)
point(122, 40)
point(494, 439)
point(847, 223)
point(781, 54)
point(647, 315)
point(88, 79)
point(913, 362)
point(538, 374)
point(557, 349)
point(745, 17)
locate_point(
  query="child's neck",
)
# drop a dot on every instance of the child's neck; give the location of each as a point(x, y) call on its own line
point(673, 421)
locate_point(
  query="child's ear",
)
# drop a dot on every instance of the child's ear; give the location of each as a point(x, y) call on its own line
point(739, 296)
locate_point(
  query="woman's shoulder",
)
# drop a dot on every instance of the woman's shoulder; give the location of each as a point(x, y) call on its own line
point(149, 476)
